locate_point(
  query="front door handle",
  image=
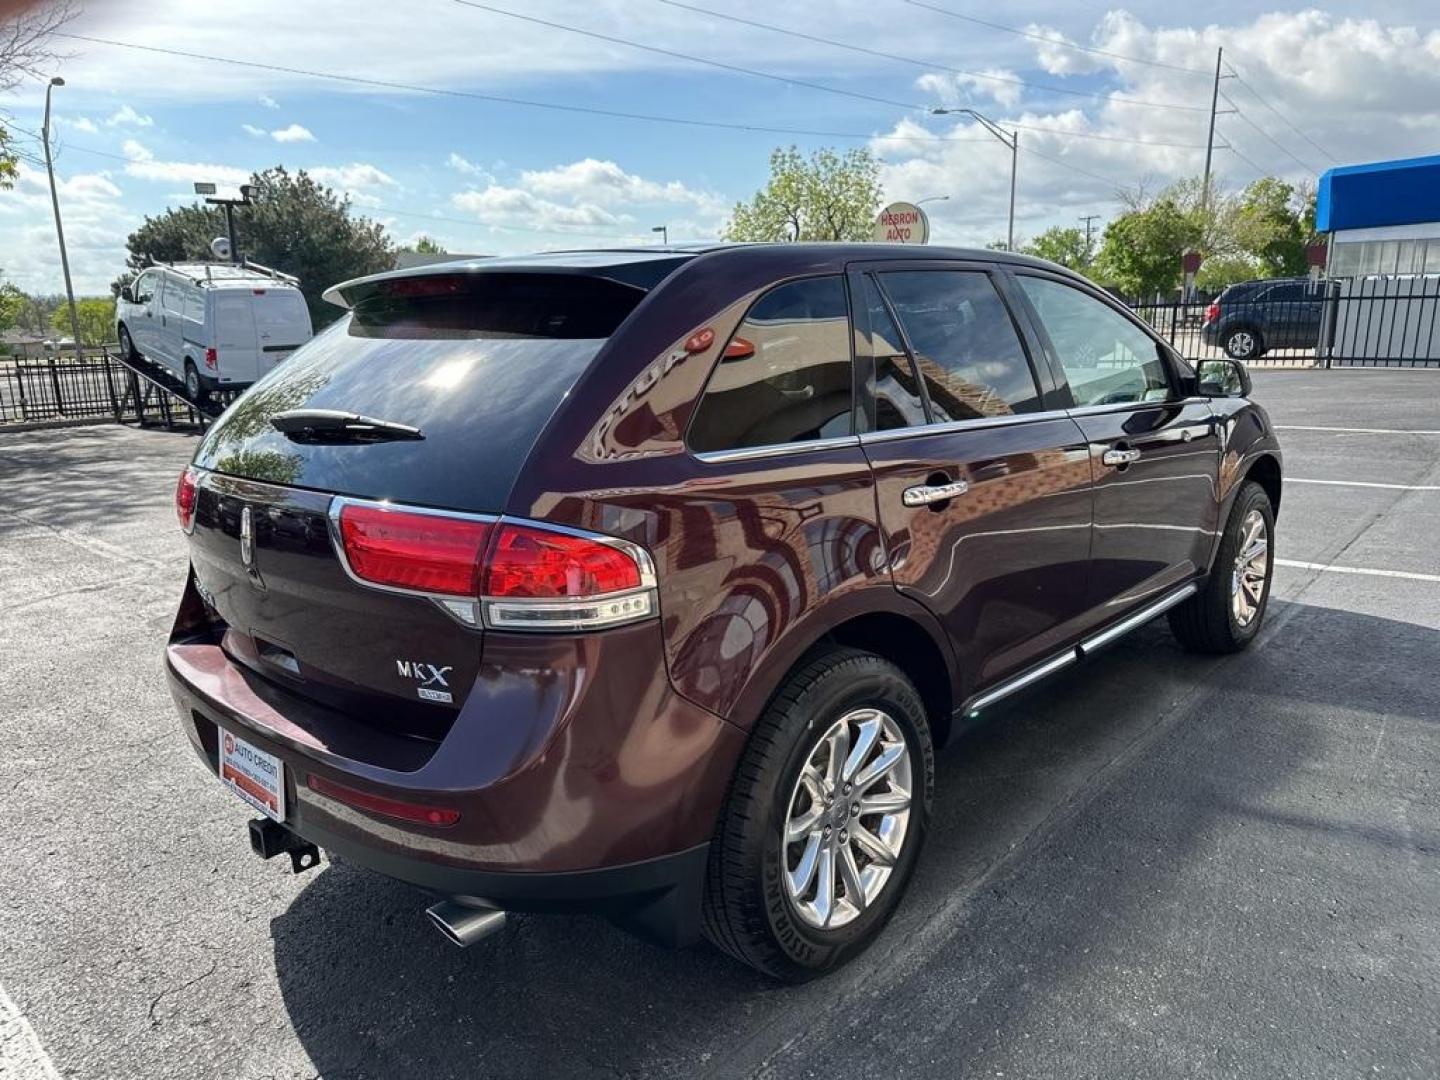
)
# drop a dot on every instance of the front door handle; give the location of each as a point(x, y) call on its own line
point(1120, 458)
point(925, 494)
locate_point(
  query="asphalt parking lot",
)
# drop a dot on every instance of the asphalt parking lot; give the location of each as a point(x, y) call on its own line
point(1158, 865)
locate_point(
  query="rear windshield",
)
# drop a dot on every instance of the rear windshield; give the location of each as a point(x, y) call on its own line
point(477, 362)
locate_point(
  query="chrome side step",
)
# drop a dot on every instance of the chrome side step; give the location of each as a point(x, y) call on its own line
point(1077, 652)
point(1140, 618)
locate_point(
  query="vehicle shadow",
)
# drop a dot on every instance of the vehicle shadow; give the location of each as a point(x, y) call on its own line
point(374, 991)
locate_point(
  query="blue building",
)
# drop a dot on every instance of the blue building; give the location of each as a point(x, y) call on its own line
point(1382, 218)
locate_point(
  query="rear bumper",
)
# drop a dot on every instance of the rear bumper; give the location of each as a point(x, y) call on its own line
point(572, 795)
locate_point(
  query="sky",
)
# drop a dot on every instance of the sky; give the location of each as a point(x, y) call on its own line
point(496, 134)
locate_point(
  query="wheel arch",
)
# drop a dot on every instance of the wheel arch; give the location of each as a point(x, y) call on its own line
point(1265, 471)
point(885, 623)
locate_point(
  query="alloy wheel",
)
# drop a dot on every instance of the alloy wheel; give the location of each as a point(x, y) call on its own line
point(1241, 344)
point(1252, 568)
point(847, 818)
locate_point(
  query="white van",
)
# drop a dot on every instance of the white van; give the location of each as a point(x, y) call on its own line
point(215, 325)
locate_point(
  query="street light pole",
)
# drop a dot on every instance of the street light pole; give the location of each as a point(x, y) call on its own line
point(59, 228)
point(1010, 139)
point(664, 231)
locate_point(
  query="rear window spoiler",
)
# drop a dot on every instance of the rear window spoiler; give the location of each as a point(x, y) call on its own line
point(639, 270)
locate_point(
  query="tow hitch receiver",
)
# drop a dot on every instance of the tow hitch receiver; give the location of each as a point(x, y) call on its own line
point(269, 838)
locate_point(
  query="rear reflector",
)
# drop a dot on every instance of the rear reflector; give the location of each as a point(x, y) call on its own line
point(418, 552)
point(380, 804)
point(186, 491)
point(496, 572)
point(212, 359)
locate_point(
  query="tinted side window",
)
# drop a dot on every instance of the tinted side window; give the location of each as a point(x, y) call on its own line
point(966, 346)
point(1285, 293)
point(785, 376)
point(1107, 358)
point(898, 403)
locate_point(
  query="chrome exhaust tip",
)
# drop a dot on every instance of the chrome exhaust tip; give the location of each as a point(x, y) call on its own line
point(463, 924)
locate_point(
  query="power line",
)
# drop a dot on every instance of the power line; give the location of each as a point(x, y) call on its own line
point(1274, 141)
point(673, 54)
point(1058, 42)
point(1061, 132)
point(499, 98)
point(1283, 118)
point(1228, 145)
point(929, 65)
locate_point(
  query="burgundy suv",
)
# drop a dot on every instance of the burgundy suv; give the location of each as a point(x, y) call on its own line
point(647, 581)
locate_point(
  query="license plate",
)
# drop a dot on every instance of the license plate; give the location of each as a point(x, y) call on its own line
point(254, 775)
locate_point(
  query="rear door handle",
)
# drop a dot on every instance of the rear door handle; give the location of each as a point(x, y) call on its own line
point(1120, 457)
point(925, 494)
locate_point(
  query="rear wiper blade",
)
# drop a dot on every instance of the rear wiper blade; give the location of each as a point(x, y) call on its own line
point(336, 425)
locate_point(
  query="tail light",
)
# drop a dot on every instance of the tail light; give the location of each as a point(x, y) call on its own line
point(1212, 312)
point(495, 572)
point(187, 489)
point(212, 359)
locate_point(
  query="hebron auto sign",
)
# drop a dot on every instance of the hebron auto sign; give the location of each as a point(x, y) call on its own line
point(902, 223)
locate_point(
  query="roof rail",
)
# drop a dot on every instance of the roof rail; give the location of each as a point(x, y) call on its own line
point(270, 272)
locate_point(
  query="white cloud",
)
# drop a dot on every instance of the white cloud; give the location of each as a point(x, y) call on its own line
point(79, 123)
point(251, 129)
point(269, 102)
point(358, 180)
point(606, 183)
point(515, 207)
point(144, 166)
point(293, 133)
point(998, 84)
point(126, 116)
point(469, 168)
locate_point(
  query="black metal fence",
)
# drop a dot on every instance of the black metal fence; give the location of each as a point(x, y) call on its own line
point(1365, 322)
point(96, 386)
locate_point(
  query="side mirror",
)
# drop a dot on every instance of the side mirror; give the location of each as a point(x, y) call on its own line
point(127, 294)
point(1222, 378)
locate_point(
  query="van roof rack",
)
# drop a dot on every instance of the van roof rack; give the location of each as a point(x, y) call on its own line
point(270, 272)
point(235, 270)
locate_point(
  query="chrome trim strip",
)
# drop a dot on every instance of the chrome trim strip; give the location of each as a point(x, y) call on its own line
point(1131, 406)
point(979, 423)
point(1024, 679)
point(746, 453)
point(1140, 618)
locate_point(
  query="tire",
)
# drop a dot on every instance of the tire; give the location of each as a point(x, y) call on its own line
point(127, 346)
point(1213, 621)
point(751, 908)
point(1243, 343)
point(195, 384)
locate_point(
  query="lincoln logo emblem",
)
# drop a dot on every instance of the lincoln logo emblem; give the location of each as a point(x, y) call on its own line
point(247, 538)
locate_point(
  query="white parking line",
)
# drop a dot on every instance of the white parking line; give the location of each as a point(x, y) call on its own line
point(21, 1055)
point(1365, 484)
point(1407, 575)
point(1354, 430)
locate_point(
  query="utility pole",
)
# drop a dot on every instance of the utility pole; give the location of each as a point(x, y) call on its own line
point(1210, 141)
point(59, 228)
point(1089, 219)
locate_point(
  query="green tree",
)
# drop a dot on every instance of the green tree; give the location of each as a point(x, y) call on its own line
point(828, 196)
point(1264, 223)
point(1066, 246)
point(12, 306)
point(295, 225)
point(1140, 250)
point(425, 245)
point(96, 315)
